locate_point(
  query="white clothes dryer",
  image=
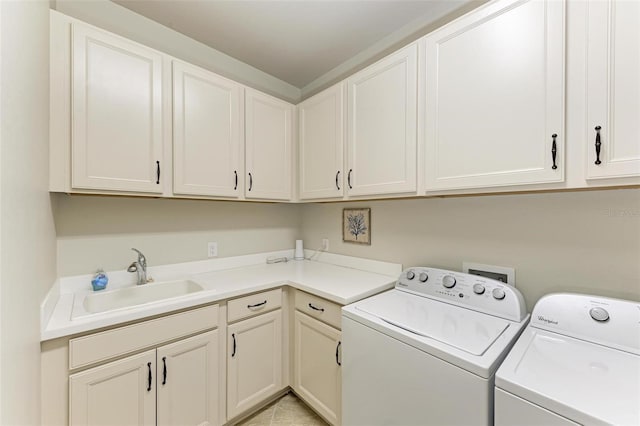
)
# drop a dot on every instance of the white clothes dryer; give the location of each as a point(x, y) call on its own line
point(425, 353)
point(578, 362)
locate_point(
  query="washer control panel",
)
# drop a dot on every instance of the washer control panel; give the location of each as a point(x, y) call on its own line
point(471, 291)
point(610, 322)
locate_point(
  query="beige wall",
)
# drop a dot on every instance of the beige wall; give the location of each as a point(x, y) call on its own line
point(581, 241)
point(27, 237)
point(98, 232)
point(572, 241)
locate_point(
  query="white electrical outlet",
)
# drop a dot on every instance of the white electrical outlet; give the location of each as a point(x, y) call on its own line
point(212, 249)
point(325, 244)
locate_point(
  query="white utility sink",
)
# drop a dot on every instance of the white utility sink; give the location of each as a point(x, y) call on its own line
point(138, 295)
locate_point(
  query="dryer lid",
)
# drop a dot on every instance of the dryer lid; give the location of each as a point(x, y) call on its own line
point(586, 382)
point(464, 329)
point(609, 322)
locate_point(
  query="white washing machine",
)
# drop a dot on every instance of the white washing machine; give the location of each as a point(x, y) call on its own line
point(425, 353)
point(578, 362)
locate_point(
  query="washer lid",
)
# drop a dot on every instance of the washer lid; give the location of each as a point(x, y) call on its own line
point(467, 330)
point(585, 382)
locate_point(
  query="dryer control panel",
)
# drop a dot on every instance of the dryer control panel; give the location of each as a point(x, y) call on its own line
point(610, 322)
point(470, 291)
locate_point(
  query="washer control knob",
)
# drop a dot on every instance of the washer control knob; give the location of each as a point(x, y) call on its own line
point(478, 289)
point(448, 281)
point(411, 275)
point(498, 293)
point(424, 277)
point(599, 314)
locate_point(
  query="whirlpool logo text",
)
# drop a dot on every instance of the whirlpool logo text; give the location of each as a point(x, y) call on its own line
point(546, 320)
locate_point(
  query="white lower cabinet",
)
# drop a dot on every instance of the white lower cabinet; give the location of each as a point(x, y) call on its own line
point(317, 359)
point(187, 381)
point(254, 361)
point(183, 382)
point(182, 375)
point(119, 393)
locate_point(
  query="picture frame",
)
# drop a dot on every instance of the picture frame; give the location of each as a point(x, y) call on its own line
point(356, 225)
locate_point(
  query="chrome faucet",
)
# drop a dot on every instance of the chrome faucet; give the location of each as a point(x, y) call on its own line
point(139, 266)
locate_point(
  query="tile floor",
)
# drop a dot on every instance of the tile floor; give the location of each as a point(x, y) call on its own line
point(286, 411)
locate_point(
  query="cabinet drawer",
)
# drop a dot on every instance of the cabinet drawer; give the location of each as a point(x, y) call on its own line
point(248, 306)
point(112, 343)
point(319, 308)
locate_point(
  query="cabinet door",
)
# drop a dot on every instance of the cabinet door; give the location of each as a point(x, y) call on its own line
point(382, 126)
point(321, 124)
point(495, 97)
point(254, 363)
point(613, 89)
point(206, 133)
point(117, 113)
point(268, 126)
point(317, 372)
point(119, 393)
point(188, 381)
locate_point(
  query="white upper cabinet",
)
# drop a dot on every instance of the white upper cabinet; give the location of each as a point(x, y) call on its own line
point(117, 113)
point(495, 97)
point(268, 146)
point(613, 89)
point(207, 133)
point(382, 114)
point(321, 144)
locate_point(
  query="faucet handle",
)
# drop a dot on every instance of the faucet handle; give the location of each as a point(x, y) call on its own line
point(141, 259)
point(133, 267)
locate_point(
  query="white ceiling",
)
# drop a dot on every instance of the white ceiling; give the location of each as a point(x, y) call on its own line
point(295, 41)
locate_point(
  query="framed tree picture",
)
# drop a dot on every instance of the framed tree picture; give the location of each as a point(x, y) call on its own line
point(356, 226)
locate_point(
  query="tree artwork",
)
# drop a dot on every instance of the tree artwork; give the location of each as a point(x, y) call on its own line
point(356, 224)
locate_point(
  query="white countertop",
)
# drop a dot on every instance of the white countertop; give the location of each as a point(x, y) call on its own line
point(341, 279)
